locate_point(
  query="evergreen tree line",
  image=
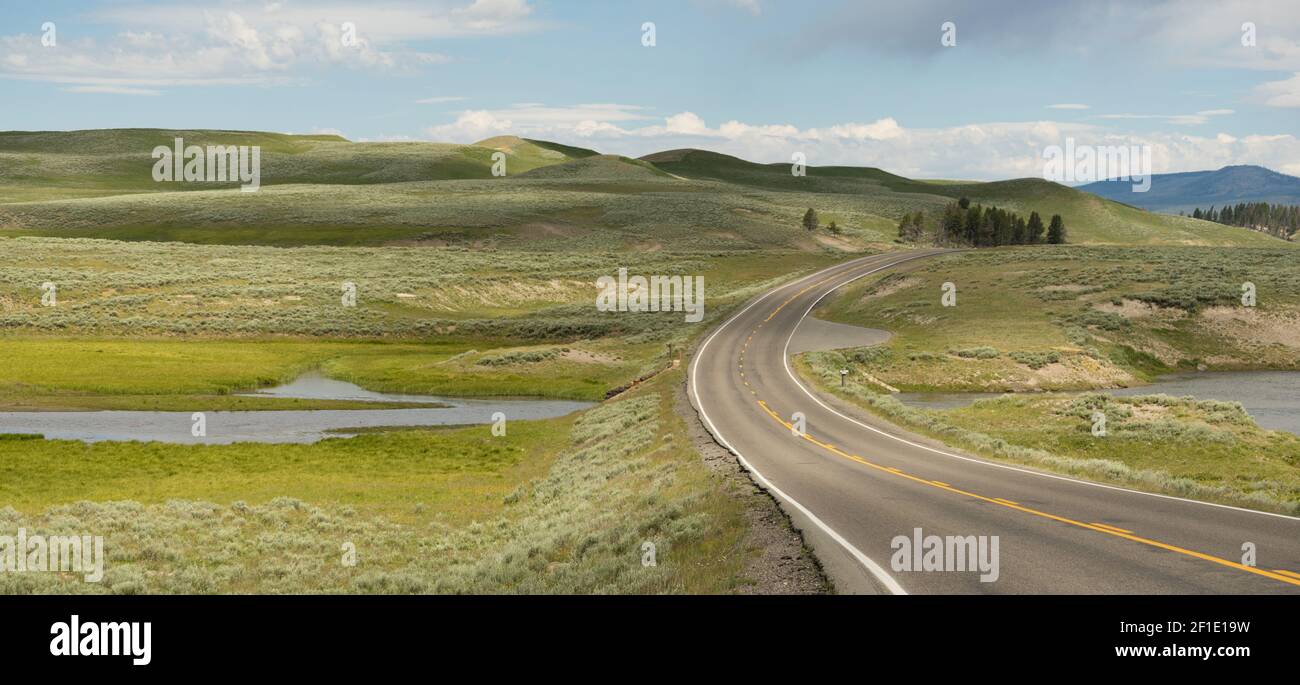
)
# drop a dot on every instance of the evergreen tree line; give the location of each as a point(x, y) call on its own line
point(965, 224)
point(1280, 220)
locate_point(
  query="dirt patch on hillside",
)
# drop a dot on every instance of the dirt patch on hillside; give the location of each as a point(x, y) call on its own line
point(1082, 371)
point(1252, 326)
point(1133, 309)
point(587, 357)
point(835, 242)
point(889, 287)
point(542, 229)
point(1159, 349)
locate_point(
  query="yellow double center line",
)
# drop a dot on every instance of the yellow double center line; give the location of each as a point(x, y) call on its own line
point(1280, 575)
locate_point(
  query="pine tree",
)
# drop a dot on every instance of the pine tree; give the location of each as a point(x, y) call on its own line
point(912, 228)
point(974, 219)
point(1019, 232)
point(952, 224)
point(810, 219)
point(1035, 229)
point(1056, 231)
point(904, 226)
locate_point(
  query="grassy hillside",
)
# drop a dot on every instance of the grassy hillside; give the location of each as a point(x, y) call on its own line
point(1202, 449)
point(37, 166)
point(1035, 320)
point(1090, 219)
point(1093, 220)
point(1054, 318)
point(327, 190)
point(562, 505)
point(324, 190)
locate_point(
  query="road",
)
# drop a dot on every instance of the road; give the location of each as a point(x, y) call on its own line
point(852, 483)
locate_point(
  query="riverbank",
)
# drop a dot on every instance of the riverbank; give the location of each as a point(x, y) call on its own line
point(1200, 449)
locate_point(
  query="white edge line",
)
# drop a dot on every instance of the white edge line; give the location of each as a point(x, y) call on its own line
point(875, 569)
point(785, 359)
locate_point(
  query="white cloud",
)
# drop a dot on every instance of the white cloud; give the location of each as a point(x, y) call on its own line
point(249, 43)
point(526, 118)
point(1281, 93)
point(987, 151)
point(440, 100)
point(686, 123)
point(112, 90)
point(1068, 105)
point(1198, 118)
point(384, 21)
point(492, 16)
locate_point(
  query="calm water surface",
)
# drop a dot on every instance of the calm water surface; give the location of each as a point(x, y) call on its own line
point(1271, 397)
point(307, 426)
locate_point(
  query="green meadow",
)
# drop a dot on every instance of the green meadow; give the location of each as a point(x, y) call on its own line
point(1201, 449)
point(1032, 320)
point(1076, 317)
point(182, 296)
point(554, 506)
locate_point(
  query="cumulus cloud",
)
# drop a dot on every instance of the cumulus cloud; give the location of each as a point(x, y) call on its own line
point(1284, 93)
point(525, 119)
point(251, 43)
point(983, 151)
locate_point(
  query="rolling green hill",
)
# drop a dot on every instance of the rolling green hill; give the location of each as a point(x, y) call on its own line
point(75, 164)
point(328, 190)
point(1090, 219)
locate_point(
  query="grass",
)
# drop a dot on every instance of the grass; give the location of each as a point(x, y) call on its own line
point(71, 164)
point(1076, 317)
point(153, 322)
point(555, 506)
point(1200, 449)
point(323, 190)
point(470, 284)
point(201, 374)
point(456, 471)
point(1090, 219)
point(111, 287)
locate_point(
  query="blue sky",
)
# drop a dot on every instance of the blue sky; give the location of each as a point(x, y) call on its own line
point(842, 82)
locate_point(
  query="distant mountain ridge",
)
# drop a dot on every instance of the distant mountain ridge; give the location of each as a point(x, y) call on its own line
point(1183, 192)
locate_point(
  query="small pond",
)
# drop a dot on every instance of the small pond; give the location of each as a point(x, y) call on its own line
point(307, 426)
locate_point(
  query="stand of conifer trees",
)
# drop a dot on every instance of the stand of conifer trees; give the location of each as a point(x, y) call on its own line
point(965, 224)
point(1280, 220)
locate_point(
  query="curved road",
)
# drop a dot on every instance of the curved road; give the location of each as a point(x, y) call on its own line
point(852, 483)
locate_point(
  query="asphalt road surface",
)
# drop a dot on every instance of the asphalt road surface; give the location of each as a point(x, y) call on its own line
point(854, 483)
